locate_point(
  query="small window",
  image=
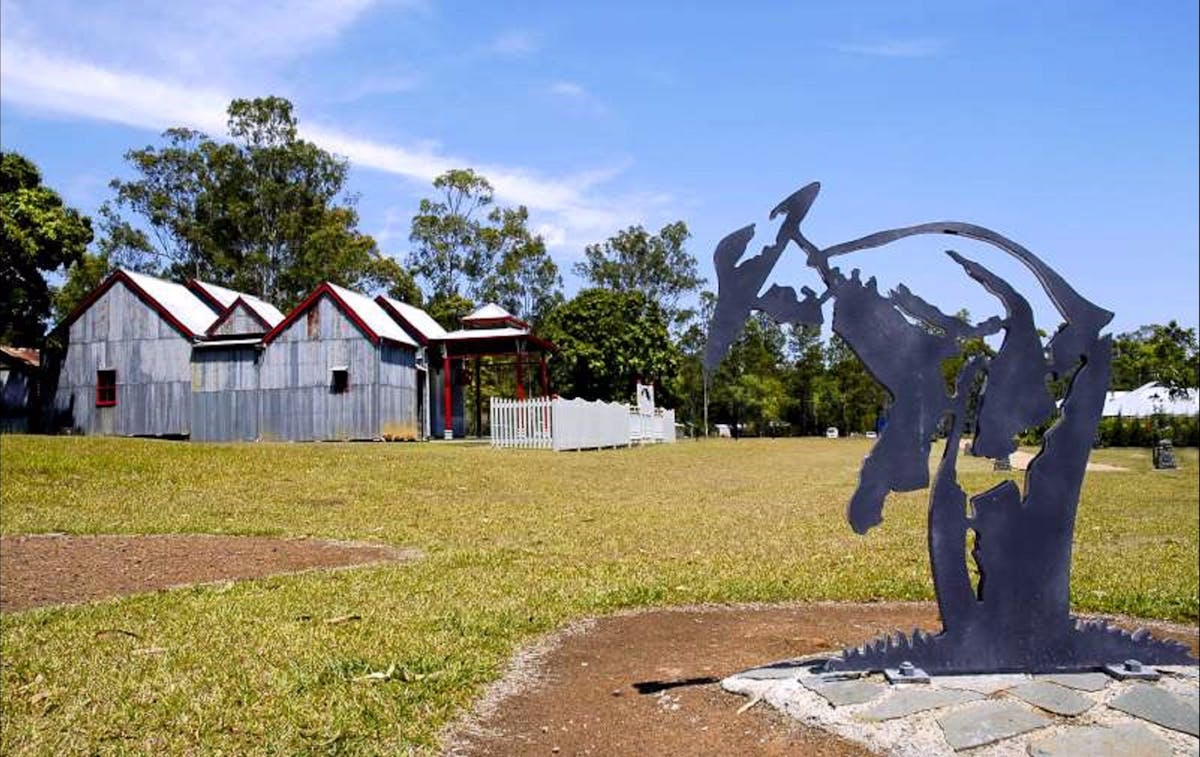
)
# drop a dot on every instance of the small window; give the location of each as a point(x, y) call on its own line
point(106, 388)
point(341, 381)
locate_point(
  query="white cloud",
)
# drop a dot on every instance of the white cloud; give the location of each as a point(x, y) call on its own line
point(566, 207)
point(202, 40)
point(515, 43)
point(922, 47)
point(568, 89)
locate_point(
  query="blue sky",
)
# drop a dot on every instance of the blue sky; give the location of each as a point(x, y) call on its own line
point(1070, 127)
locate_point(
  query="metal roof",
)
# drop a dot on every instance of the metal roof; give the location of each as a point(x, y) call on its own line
point(371, 314)
point(1150, 399)
point(175, 299)
point(507, 332)
point(488, 312)
point(417, 318)
point(227, 297)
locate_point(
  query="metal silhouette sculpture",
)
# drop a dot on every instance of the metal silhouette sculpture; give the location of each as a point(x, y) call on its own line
point(1017, 615)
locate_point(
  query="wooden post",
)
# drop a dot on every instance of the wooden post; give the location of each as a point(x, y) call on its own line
point(545, 375)
point(447, 398)
point(520, 376)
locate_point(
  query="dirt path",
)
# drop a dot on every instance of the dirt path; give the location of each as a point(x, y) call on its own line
point(648, 683)
point(57, 569)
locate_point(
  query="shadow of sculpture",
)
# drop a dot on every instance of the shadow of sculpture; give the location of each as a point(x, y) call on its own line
point(1016, 618)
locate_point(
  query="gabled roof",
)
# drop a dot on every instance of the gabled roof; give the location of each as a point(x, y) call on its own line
point(1150, 399)
point(364, 312)
point(492, 314)
point(241, 304)
point(415, 320)
point(222, 299)
point(175, 303)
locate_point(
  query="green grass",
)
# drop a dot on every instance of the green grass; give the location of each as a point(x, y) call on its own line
point(516, 543)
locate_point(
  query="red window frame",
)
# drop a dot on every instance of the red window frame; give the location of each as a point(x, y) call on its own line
point(106, 388)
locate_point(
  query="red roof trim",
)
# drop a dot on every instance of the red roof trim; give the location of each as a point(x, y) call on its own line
point(411, 330)
point(141, 294)
point(309, 302)
point(208, 297)
point(536, 341)
point(229, 312)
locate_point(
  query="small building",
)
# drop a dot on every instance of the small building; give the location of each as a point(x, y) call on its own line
point(149, 357)
point(127, 366)
point(339, 367)
point(20, 372)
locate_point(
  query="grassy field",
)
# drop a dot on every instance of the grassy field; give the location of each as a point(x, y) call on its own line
point(516, 543)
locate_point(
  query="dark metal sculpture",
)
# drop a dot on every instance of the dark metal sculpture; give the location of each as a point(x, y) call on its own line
point(1017, 616)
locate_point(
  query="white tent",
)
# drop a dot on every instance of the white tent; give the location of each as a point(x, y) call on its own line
point(1150, 399)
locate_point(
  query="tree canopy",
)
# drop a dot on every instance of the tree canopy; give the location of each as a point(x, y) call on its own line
point(657, 265)
point(607, 342)
point(39, 235)
point(266, 212)
point(1166, 354)
point(466, 249)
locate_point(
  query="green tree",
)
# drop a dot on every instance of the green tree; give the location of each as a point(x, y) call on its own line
point(657, 265)
point(748, 386)
point(807, 367)
point(524, 279)
point(607, 341)
point(852, 394)
point(448, 310)
point(1166, 354)
point(39, 234)
point(450, 253)
point(467, 247)
point(386, 275)
point(266, 212)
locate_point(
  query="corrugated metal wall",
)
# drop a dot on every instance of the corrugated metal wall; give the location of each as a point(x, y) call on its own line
point(225, 393)
point(240, 322)
point(284, 391)
point(399, 412)
point(122, 333)
point(298, 401)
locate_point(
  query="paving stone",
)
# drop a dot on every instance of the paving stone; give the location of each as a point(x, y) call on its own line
point(905, 702)
point(983, 684)
point(1161, 707)
point(773, 673)
point(1080, 681)
point(1052, 697)
point(1124, 740)
point(842, 693)
point(988, 722)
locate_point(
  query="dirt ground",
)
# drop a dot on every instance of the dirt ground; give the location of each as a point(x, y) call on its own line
point(648, 683)
point(57, 569)
point(632, 683)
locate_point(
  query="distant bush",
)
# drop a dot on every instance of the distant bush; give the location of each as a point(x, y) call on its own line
point(1182, 430)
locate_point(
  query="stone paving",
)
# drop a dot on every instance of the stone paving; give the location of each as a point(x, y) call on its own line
point(1092, 714)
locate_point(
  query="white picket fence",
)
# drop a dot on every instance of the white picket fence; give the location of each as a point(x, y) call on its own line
point(651, 429)
point(522, 423)
point(566, 424)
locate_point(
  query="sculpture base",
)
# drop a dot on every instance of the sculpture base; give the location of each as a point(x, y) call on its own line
point(1083, 645)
